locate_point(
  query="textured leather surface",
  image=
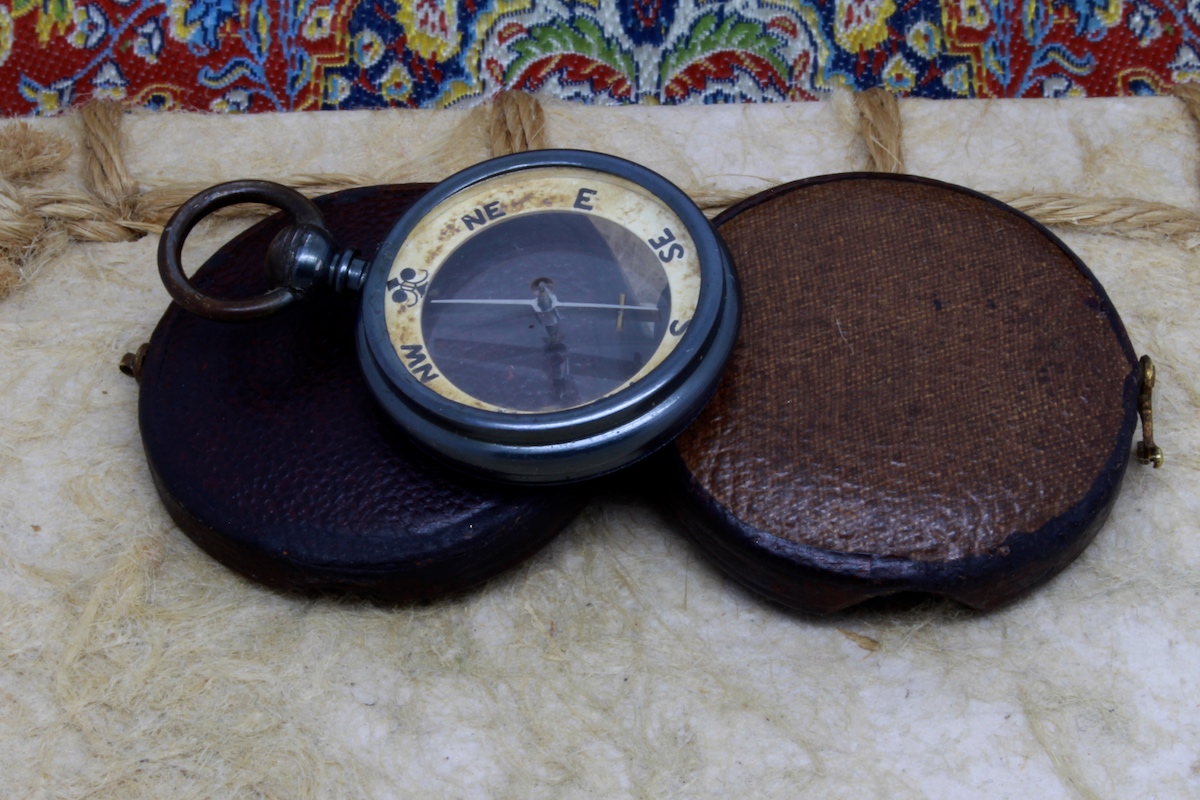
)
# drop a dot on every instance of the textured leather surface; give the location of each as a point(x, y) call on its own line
point(922, 376)
point(271, 454)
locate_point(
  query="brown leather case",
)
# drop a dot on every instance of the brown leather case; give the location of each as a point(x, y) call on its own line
point(270, 453)
point(930, 393)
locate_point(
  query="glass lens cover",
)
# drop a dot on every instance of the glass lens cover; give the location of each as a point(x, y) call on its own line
point(542, 290)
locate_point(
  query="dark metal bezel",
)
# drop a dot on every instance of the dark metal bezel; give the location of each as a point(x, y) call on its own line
point(499, 444)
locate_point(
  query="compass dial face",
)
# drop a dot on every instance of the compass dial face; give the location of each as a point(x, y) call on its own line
point(541, 290)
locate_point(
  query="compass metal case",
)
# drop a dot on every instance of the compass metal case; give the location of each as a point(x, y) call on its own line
point(647, 348)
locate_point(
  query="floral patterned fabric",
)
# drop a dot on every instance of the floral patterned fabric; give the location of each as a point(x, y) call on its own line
point(283, 55)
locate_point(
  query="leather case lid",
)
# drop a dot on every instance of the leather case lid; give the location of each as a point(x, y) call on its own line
point(271, 454)
point(930, 393)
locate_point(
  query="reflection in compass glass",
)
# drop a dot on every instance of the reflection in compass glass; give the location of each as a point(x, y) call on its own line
point(546, 311)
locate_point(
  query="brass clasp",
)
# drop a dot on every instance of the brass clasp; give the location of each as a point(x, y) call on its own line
point(1147, 451)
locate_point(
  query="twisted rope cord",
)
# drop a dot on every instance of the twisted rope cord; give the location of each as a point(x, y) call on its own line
point(882, 129)
point(518, 124)
point(105, 173)
point(25, 156)
point(1125, 216)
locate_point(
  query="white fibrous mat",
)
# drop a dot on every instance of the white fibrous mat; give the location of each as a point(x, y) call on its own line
point(616, 663)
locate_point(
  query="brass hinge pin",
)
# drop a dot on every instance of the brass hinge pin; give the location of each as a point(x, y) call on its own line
point(1147, 451)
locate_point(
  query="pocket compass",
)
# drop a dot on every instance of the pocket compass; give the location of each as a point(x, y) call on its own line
point(545, 317)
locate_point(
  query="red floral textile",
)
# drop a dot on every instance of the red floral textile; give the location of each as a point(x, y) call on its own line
point(281, 55)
